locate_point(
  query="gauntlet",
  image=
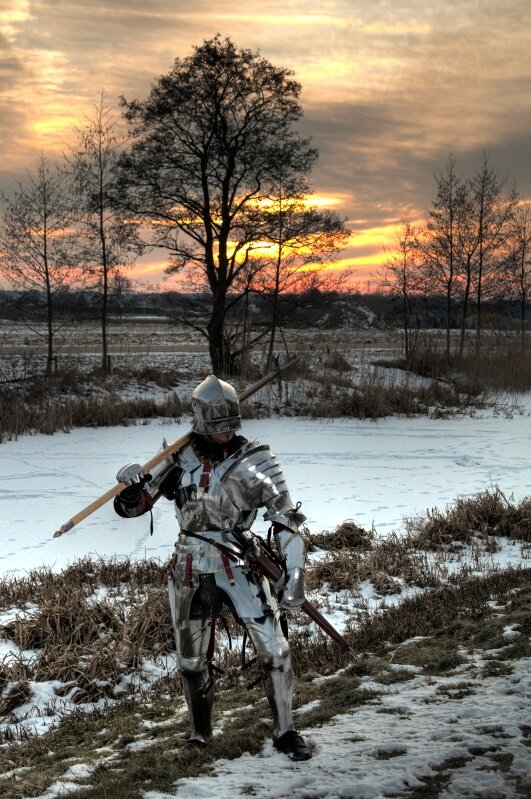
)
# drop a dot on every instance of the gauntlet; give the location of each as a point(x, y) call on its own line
point(291, 584)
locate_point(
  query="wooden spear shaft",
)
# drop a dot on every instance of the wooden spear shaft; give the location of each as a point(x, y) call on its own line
point(162, 455)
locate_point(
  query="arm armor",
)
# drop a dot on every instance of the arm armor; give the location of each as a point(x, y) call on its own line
point(139, 497)
point(256, 480)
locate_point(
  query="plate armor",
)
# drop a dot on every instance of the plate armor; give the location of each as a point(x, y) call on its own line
point(217, 493)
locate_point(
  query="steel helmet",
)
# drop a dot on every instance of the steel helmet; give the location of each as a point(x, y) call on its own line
point(215, 407)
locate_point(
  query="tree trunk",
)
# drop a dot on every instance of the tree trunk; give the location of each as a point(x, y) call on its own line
point(464, 314)
point(217, 344)
point(274, 316)
point(49, 324)
point(448, 314)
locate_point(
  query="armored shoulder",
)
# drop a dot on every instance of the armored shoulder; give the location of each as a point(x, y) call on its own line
point(254, 476)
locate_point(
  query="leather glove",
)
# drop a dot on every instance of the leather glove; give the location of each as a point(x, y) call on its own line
point(291, 591)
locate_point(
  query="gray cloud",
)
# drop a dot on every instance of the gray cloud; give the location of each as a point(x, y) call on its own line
point(389, 89)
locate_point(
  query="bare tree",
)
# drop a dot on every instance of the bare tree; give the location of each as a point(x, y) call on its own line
point(37, 246)
point(402, 277)
point(492, 213)
point(519, 262)
point(302, 241)
point(202, 159)
point(109, 238)
point(439, 241)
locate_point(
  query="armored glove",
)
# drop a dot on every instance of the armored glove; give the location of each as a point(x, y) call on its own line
point(131, 473)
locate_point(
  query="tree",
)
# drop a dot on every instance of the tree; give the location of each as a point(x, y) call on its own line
point(403, 278)
point(302, 240)
point(110, 240)
point(37, 246)
point(492, 214)
point(439, 242)
point(519, 262)
point(202, 159)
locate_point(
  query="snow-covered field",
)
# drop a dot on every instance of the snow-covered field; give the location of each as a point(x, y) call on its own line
point(374, 472)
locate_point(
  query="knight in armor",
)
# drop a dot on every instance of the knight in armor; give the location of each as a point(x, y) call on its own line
point(217, 483)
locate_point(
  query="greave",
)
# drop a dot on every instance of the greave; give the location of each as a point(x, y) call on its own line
point(199, 703)
point(278, 684)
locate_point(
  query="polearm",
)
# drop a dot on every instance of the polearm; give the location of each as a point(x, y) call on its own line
point(163, 455)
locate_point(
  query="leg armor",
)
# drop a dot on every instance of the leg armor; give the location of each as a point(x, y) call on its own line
point(258, 611)
point(192, 639)
point(251, 601)
point(273, 653)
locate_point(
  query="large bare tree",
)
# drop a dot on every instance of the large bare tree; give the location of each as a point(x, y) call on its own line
point(203, 159)
point(37, 245)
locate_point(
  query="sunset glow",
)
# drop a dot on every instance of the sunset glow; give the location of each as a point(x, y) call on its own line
point(388, 91)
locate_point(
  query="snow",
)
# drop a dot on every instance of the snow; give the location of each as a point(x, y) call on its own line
point(376, 473)
point(373, 472)
point(390, 745)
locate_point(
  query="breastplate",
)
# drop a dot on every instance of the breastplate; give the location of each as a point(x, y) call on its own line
point(202, 501)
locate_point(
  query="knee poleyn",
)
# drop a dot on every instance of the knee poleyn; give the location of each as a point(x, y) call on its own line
point(191, 666)
point(277, 659)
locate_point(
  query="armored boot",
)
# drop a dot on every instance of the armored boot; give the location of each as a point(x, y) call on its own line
point(292, 744)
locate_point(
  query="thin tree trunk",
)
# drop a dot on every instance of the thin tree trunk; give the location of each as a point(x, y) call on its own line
point(464, 314)
point(217, 345)
point(448, 313)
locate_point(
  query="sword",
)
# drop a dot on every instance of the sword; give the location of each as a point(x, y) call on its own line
point(253, 547)
point(274, 573)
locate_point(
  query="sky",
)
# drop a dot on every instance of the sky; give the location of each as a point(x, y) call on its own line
point(372, 472)
point(390, 88)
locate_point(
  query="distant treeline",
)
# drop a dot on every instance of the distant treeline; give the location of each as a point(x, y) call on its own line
point(317, 309)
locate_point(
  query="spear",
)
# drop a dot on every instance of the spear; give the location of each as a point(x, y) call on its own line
point(164, 454)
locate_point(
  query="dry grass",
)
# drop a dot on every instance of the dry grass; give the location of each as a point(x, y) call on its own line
point(470, 527)
point(70, 399)
point(89, 644)
point(502, 363)
point(441, 609)
point(374, 397)
point(94, 626)
point(326, 384)
point(484, 517)
point(453, 620)
point(347, 535)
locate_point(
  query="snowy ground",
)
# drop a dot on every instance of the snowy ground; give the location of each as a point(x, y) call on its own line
point(375, 473)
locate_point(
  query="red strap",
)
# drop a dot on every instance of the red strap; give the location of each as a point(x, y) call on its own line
point(228, 570)
point(212, 641)
point(187, 570)
point(204, 481)
point(167, 574)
